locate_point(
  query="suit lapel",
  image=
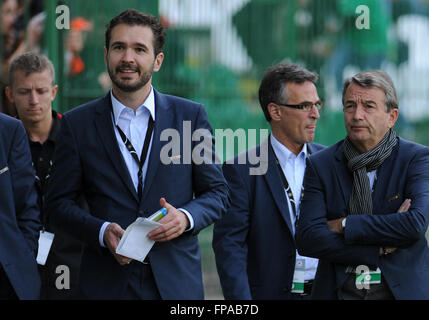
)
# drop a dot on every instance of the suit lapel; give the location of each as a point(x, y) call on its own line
point(274, 182)
point(384, 175)
point(104, 127)
point(163, 120)
point(273, 179)
point(344, 177)
point(311, 148)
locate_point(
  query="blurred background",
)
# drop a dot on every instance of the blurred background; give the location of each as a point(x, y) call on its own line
point(217, 50)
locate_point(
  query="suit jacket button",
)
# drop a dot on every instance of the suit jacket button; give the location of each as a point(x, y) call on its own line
point(141, 212)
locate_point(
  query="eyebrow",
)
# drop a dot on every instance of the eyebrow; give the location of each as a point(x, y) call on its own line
point(29, 89)
point(306, 102)
point(137, 44)
point(365, 101)
point(370, 101)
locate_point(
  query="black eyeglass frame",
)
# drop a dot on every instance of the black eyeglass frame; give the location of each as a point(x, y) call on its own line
point(303, 106)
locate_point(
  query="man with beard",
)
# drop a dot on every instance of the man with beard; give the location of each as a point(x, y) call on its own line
point(109, 150)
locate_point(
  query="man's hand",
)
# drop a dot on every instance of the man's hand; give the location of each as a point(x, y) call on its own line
point(112, 236)
point(405, 205)
point(173, 224)
point(402, 208)
point(336, 226)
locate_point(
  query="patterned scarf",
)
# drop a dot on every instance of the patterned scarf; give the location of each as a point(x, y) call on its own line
point(360, 199)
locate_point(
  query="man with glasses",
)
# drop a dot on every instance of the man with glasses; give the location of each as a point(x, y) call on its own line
point(365, 210)
point(254, 242)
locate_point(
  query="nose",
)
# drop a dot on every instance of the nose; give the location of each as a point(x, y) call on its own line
point(358, 112)
point(34, 97)
point(128, 55)
point(314, 113)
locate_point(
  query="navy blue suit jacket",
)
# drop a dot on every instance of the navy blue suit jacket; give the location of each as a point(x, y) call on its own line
point(328, 184)
point(88, 160)
point(253, 243)
point(19, 213)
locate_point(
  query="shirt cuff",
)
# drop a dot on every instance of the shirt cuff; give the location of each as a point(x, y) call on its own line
point(101, 234)
point(191, 220)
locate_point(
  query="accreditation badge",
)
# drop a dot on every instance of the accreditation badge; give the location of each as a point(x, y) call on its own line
point(298, 276)
point(369, 277)
point(45, 243)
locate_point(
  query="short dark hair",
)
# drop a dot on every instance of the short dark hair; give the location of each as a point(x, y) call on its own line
point(30, 62)
point(136, 18)
point(273, 84)
point(375, 78)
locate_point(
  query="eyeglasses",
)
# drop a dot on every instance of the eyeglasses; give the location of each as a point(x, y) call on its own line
point(306, 106)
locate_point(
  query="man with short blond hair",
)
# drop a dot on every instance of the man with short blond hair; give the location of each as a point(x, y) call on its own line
point(32, 90)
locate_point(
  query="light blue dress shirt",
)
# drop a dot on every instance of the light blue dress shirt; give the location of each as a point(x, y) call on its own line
point(294, 168)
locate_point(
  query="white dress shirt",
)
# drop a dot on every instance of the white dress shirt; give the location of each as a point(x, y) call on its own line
point(294, 168)
point(372, 176)
point(134, 126)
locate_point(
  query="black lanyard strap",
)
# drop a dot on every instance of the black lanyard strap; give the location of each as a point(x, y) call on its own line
point(288, 188)
point(41, 187)
point(143, 156)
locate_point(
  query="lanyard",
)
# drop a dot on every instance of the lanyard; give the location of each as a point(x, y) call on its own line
point(288, 189)
point(133, 152)
point(41, 190)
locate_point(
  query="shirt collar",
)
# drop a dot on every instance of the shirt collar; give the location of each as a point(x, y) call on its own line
point(283, 153)
point(118, 107)
point(55, 127)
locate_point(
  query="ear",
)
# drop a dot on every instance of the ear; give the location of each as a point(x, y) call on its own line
point(105, 55)
point(54, 92)
point(158, 62)
point(274, 111)
point(393, 116)
point(9, 94)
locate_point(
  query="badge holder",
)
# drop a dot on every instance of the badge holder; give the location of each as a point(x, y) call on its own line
point(298, 276)
point(369, 277)
point(45, 243)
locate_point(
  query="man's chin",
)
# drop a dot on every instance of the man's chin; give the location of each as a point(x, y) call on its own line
point(129, 87)
point(309, 138)
point(357, 137)
point(32, 119)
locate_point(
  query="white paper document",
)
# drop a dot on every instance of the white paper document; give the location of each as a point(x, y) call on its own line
point(135, 243)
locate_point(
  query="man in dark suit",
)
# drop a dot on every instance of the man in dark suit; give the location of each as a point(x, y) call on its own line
point(19, 214)
point(32, 90)
point(254, 242)
point(365, 210)
point(102, 151)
